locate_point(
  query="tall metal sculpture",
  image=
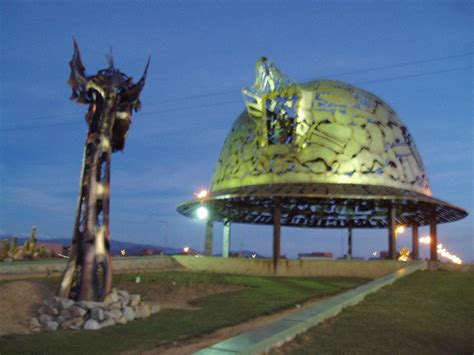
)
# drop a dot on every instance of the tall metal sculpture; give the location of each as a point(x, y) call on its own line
point(112, 98)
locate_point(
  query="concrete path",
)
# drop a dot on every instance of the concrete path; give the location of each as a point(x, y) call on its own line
point(275, 334)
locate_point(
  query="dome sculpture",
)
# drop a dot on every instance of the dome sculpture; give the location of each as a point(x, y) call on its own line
point(327, 153)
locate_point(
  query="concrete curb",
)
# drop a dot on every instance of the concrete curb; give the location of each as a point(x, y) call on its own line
point(275, 334)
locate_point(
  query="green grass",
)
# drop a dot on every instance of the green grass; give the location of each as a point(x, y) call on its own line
point(261, 296)
point(425, 313)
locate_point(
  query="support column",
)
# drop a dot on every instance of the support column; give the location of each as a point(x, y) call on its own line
point(414, 242)
point(226, 239)
point(434, 240)
point(349, 243)
point(276, 233)
point(392, 247)
point(209, 231)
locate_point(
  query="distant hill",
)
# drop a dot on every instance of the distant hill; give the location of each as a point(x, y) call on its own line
point(116, 245)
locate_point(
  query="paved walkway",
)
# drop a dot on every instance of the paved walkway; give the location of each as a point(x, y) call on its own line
point(275, 334)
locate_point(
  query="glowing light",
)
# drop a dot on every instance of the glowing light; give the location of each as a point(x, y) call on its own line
point(201, 194)
point(202, 212)
point(186, 249)
point(425, 240)
point(441, 250)
point(404, 254)
point(374, 253)
point(123, 252)
point(254, 256)
point(400, 229)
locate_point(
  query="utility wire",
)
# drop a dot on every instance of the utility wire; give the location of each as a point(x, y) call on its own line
point(210, 94)
point(229, 91)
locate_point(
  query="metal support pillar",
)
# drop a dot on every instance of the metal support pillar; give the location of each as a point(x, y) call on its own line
point(276, 233)
point(414, 242)
point(434, 241)
point(209, 230)
point(349, 243)
point(226, 239)
point(392, 247)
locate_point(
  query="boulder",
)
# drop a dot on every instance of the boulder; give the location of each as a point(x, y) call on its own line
point(97, 314)
point(66, 313)
point(123, 294)
point(66, 303)
point(111, 298)
point(107, 323)
point(115, 314)
point(125, 301)
point(91, 324)
point(135, 300)
point(77, 311)
point(128, 313)
point(115, 305)
point(44, 318)
point(50, 326)
point(67, 324)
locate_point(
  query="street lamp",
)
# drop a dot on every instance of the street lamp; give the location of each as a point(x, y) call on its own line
point(202, 212)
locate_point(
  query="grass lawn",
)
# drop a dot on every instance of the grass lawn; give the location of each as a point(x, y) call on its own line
point(425, 313)
point(261, 296)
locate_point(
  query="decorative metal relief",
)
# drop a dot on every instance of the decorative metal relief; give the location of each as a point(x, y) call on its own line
point(317, 132)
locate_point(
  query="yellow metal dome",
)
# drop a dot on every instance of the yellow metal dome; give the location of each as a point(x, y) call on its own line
point(340, 134)
point(333, 154)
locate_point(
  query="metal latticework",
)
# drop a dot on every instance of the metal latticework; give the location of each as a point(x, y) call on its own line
point(331, 154)
point(112, 98)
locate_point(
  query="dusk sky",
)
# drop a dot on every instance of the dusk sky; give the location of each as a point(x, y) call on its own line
point(416, 55)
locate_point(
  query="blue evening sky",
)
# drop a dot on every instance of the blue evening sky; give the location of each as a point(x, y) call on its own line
point(203, 53)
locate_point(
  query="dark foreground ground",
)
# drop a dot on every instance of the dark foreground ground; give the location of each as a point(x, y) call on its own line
point(425, 313)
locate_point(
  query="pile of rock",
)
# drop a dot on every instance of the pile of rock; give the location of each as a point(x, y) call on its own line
point(119, 307)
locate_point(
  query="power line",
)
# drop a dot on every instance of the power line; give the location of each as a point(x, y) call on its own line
point(403, 64)
point(216, 93)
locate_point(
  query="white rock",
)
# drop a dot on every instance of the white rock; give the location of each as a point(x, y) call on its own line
point(111, 298)
point(52, 310)
point(115, 305)
point(66, 303)
point(66, 313)
point(51, 326)
point(115, 314)
point(107, 323)
point(91, 324)
point(128, 313)
point(77, 311)
point(135, 300)
point(125, 301)
point(97, 314)
point(44, 318)
point(123, 294)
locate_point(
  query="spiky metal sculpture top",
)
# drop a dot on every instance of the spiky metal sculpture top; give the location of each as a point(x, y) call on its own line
point(112, 98)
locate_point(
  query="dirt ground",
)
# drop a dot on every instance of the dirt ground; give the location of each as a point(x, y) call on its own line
point(19, 300)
